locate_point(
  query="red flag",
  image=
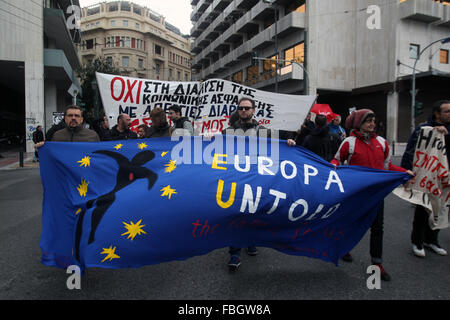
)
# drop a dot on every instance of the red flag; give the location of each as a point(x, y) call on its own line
point(324, 109)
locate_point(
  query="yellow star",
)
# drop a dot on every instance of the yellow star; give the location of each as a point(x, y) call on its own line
point(168, 192)
point(133, 229)
point(86, 162)
point(171, 166)
point(142, 145)
point(118, 146)
point(78, 211)
point(83, 188)
point(110, 253)
point(163, 154)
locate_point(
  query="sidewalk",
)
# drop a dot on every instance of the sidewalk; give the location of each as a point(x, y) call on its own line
point(10, 160)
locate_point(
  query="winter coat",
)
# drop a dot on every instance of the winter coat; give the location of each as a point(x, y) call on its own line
point(126, 135)
point(322, 142)
point(78, 134)
point(357, 151)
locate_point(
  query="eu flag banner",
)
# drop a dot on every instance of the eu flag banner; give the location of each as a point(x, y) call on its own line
point(122, 204)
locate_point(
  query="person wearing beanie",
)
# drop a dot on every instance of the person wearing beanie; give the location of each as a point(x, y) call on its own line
point(364, 148)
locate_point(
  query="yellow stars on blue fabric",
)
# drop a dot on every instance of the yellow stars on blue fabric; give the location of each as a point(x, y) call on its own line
point(168, 192)
point(133, 229)
point(110, 254)
point(83, 188)
point(142, 146)
point(86, 162)
point(171, 166)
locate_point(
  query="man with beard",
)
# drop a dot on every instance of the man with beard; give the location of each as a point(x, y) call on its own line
point(121, 131)
point(245, 125)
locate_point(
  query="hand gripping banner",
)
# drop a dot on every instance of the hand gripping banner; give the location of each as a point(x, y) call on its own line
point(122, 204)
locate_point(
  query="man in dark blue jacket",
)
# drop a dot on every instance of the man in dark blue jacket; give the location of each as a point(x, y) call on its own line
point(422, 235)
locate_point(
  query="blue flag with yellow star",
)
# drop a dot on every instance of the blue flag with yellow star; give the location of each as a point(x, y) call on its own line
point(122, 204)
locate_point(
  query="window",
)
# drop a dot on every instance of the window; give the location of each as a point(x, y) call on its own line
point(109, 60)
point(252, 74)
point(414, 50)
point(444, 56)
point(138, 26)
point(237, 77)
point(125, 23)
point(90, 44)
point(125, 6)
point(178, 75)
point(113, 23)
point(186, 77)
point(170, 74)
point(157, 68)
point(296, 53)
point(269, 67)
point(113, 6)
point(159, 50)
point(125, 62)
point(141, 63)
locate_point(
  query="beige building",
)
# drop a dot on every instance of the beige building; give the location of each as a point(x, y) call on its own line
point(135, 39)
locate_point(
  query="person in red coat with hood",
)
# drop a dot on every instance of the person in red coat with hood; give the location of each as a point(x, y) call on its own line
point(364, 148)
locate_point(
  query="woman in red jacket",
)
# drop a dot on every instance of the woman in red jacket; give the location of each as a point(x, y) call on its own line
point(364, 148)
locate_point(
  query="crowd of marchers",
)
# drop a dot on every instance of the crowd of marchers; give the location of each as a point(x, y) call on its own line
point(357, 144)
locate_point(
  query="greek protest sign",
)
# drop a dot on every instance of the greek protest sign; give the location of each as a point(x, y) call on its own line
point(430, 187)
point(207, 104)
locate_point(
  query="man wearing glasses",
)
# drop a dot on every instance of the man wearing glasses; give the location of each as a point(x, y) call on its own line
point(248, 126)
point(74, 130)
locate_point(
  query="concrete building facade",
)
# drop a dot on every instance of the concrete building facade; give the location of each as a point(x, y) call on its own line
point(135, 39)
point(37, 59)
point(356, 53)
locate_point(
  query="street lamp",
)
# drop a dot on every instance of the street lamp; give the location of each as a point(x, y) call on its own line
point(413, 90)
point(94, 86)
point(272, 3)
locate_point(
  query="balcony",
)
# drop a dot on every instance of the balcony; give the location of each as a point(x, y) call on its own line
point(58, 68)
point(421, 10)
point(55, 28)
point(446, 17)
point(287, 73)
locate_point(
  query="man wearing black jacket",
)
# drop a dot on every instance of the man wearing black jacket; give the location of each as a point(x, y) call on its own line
point(422, 235)
point(321, 141)
point(180, 122)
point(122, 131)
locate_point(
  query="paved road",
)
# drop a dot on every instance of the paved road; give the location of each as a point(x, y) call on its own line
point(270, 275)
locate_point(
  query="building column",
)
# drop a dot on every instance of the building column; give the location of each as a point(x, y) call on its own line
point(392, 117)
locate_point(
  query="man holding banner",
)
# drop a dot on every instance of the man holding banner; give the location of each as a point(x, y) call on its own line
point(422, 235)
point(364, 148)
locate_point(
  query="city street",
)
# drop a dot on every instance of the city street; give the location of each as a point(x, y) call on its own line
point(270, 275)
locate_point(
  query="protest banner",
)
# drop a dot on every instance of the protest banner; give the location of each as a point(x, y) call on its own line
point(207, 104)
point(430, 187)
point(120, 204)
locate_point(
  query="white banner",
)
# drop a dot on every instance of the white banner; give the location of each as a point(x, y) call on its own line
point(430, 187)
point(207, 104)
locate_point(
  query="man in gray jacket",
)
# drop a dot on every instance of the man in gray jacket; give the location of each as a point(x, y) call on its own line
point(74, 130)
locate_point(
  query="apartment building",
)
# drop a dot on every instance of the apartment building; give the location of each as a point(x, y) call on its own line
point(37, 58)
point(135, 39)
point(355, 53)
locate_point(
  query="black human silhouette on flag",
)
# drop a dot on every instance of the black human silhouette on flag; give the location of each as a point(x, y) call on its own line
point(129, 171)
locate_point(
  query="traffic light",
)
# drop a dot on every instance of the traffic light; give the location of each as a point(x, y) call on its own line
point(254, 58)
point(418, 109)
